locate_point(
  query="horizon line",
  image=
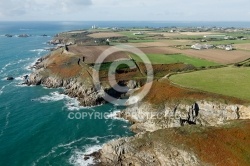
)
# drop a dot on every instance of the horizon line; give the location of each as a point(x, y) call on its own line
point(115, 21)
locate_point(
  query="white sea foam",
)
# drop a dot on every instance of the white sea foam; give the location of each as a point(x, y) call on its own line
point(95, 139)
point(44, 156)
point(70, 143)
point(1, 90)
point(113, 115)
point(73, 104)
point(6, 123)
point(66, 147)
point(39, 51)
point(13, 63)
point(28, 67)
point(70, 103)
point(20, 78)
point(23, 60)
point(77, 158)
point(24, 85)
point(4, 68)
point(54, 96)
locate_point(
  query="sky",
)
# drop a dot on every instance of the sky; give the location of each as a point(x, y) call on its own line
point(124, 10)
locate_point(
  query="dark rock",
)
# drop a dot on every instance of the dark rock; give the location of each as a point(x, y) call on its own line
point(8, 35)
point(23, 35)
point(26, 77)
point(86, 158)
point(44, 35)
point(96, 155)
point(10, 78)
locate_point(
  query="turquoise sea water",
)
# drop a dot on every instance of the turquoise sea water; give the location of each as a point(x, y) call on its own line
point(34, 124)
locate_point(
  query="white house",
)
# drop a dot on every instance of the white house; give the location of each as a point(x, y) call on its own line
point(229, 48)
point(198, 46)
point(138, 33)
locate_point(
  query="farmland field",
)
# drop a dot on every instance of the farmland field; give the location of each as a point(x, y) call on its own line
point(230, 81)
point(175, 58)
point(105, 35)
point(229, 42)
point(245, 46)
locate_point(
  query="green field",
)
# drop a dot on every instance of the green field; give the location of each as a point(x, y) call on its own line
point(175, 58)
point(229, 42)
point(124, 64)
point(230, 81)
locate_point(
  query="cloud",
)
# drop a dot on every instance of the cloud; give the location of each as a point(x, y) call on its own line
point(177, 10)
point(16, 8)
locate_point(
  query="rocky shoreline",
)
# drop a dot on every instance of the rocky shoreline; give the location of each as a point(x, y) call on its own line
point(146, 120)
point(74, 86)
point(86, 95)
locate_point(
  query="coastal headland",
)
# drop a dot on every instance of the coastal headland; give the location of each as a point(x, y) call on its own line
point(179, 122)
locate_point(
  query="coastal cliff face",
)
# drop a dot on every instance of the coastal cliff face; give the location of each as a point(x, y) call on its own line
point(87, 95)
point(53, 72)
point(62, 69)
point(189, 145)
point(151, 147)
point(139, 150)
point(147, 117)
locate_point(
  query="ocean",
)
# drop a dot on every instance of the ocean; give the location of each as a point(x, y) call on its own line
point(35, 128)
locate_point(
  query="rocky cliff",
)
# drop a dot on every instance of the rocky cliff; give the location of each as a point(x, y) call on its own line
point(60, 69)
point(64, 69)
point(189, 145)
point(149, 147)
point(147, 117)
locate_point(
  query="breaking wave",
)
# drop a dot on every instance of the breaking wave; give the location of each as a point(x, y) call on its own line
point(76, 154)
point(113, 115)
point(78, 159)
point(70, 103)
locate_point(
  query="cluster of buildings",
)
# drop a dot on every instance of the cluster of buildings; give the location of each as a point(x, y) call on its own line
point(225, 47)
point(224, 37)
point(199, 46)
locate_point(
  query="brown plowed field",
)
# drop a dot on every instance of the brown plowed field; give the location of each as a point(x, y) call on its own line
point(91, 53)
point(105, 35)
point(215, 55)
point(243, 46)
point(219, 56)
